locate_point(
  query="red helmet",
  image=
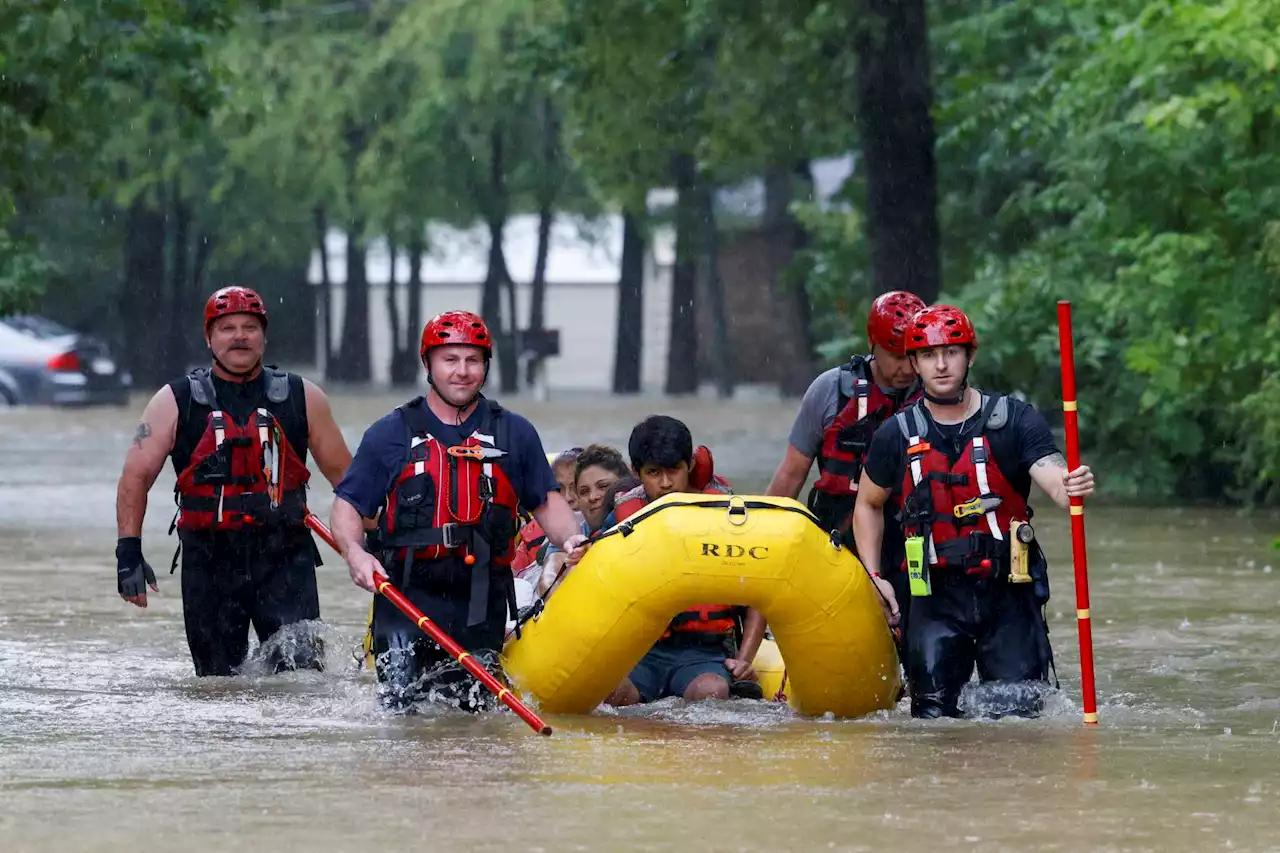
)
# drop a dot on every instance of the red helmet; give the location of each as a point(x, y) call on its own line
point(456, 327)
point(234, 300)
point(938, 326)
point(890, 314)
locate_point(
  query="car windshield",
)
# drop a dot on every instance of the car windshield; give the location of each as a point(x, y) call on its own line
point(37, 327)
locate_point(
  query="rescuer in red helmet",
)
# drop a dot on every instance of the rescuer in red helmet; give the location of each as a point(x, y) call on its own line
point(958, 466)
point(238, 433)
point(446, 476)
point(839, 414)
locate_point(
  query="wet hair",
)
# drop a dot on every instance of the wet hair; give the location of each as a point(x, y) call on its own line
point(601, 455)
point(660, 440)
point(621, 487)
point(567, 457)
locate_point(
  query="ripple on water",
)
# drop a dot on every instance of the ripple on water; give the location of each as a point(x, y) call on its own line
point(107, 741)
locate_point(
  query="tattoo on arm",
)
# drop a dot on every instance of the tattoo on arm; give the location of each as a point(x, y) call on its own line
point(141, 434)
point(1054, 459)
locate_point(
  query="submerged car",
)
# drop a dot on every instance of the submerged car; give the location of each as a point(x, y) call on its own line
point(43, 362)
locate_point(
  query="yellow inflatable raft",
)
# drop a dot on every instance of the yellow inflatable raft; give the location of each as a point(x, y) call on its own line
point(684, 550)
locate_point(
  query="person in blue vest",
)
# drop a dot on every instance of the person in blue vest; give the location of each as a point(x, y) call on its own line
point(445, 476)
point(958, 466)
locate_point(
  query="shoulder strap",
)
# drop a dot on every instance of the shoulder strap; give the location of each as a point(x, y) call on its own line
point(415, 417)
point(491, 421)
point(855, 368)
point(999, 415)
point(500, 428)
point(277, 384)
point(202, 391)
point(911, 421)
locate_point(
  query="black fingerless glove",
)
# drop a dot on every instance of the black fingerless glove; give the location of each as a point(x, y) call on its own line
point(132, 571)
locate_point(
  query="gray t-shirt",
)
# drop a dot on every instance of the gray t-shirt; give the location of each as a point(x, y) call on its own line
point(817, 411)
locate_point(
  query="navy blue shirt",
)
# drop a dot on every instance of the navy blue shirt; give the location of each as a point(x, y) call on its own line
point(1015, 447)
point(384, 449)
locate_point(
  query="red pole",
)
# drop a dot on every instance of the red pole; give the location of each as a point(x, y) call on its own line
point(1083, 620)
point(435, 632)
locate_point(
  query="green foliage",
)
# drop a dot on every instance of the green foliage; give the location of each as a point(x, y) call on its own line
point(68, 73)
point(22, 273)
point(1155, 213)
point(1122, 154)
point(651, 78)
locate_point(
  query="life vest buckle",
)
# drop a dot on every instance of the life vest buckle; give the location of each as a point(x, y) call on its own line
point(451, 535)
point(737, 511)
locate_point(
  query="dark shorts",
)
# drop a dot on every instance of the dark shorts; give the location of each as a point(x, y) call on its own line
point(231, 582)
point(673, 664)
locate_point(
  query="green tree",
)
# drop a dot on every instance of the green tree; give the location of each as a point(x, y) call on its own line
point(63, 67)
point(1156, 214)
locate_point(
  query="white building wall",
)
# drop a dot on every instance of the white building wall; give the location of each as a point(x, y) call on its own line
point(581, 301)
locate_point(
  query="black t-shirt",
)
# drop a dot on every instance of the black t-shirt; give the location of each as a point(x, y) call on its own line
point(1020, 443)
point(238, 400)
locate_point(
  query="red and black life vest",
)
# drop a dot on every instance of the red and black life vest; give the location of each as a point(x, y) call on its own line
point(861, 407)
point(241, 475)
point(531, 539)
point(715, 619)
point(964, 510)
point(452, 512)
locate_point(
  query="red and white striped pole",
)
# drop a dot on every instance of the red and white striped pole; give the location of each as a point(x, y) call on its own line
point(1080, 558)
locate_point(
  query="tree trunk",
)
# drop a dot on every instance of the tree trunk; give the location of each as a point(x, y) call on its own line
point(413, 341)
point(404, 359)
point(142, 292)
point(790, 301)
point(682, 351)
point(321, 221)
point(538, 294)
point(498, 277)
point(547, 191)
point(179, 283)
point(894, 121)
point(629, 337)
point(509, 380)
point(398, 333)
point(205, 243)
point(353, 362)
point(721, 350)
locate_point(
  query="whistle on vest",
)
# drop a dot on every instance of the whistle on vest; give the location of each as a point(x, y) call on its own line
point(1021, 535)
point(980, 505)
point(917, 568)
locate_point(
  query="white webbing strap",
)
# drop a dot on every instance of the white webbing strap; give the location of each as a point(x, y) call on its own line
point(980, 467)
point(916, 477)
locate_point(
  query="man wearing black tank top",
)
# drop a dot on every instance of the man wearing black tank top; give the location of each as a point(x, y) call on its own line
point(959, 467)
point(238, 434)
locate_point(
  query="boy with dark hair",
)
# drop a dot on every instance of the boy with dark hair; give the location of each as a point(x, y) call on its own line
point(696, 658)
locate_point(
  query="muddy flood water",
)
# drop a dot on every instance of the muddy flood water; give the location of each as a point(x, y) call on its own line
point(109, 743)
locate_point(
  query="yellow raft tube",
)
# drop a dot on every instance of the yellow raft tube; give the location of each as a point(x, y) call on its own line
point(684, 550)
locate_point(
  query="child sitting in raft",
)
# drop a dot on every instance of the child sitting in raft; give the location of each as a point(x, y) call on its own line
point(597, 471)
point(532, 543)
point(531, 536)
point(696, 659)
